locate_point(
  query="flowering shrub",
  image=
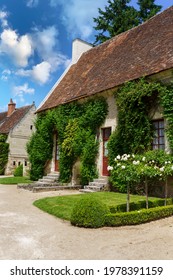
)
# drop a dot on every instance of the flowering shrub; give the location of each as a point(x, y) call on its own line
point(130, 170)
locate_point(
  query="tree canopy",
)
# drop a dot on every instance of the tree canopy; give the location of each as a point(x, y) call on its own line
point(120, 16)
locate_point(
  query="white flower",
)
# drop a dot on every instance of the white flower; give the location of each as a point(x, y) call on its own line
point(118, 164)
point(162, 169)
point(136, 162)
point(153, 161)
point(133, 155)
point(118, 157)
point(172, 167)
point(166, 162)
point(109, 168)
point(115, 159)
point(123, 167)
point(169, 161)
point(144, 158)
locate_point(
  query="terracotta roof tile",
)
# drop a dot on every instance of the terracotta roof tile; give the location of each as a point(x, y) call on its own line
point(141, 51)
point(7, 123)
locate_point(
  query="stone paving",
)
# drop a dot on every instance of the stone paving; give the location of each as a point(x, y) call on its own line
point(27, 233)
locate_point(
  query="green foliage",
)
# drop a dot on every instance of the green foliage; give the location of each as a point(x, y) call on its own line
point(141, 204)
point(135, 169)
point(89, 212)
point(147, 9)
point(40, 145)
point(18, 172)
point(76, 125)
point(78, 137)
point(119, 16)
point(4, 149)
point(138, 217)
point(167, 104)
point(134, 132)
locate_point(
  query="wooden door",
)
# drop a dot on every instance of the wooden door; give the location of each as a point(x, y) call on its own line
point(106, 132)
point(56, 154)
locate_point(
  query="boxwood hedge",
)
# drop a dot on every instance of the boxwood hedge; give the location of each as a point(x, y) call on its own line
point(138, 217)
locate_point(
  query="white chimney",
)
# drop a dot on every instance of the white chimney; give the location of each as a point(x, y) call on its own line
point(78, 48)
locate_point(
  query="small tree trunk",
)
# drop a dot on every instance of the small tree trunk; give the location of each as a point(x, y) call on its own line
point(146, 191)
point(128, 197)
point(166, 191)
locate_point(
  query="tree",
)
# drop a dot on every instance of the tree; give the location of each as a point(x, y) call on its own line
point(147, 9)
point(119, 16)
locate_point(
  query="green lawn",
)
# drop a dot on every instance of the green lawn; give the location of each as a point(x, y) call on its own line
point(61, 206)
point(14, 180)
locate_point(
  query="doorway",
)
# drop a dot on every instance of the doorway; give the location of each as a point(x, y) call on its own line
point(106, 132)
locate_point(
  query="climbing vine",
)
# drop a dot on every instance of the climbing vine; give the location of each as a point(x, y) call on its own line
point(167, 104)
point(4, 149)
point(76, 125)
point(134, 132)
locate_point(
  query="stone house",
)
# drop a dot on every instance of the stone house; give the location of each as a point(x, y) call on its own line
point(18, 125)
point(144, 51)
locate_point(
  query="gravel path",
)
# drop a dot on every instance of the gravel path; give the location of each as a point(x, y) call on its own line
point(27, 233)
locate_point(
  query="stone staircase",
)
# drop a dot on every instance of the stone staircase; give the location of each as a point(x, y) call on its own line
point(50, 179)
point(47, 183)
point(96, 185)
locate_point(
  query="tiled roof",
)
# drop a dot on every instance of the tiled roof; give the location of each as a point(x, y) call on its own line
point(7, 123)
point(141, 51)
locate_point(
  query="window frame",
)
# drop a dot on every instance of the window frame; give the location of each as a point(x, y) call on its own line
point(158, 142)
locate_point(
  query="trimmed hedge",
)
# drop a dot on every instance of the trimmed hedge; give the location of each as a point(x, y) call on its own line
point(18, 172)
point(138, 217)
point(89, 212)
point(140, 205)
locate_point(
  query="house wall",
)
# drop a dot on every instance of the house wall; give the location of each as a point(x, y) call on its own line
point(17, 139)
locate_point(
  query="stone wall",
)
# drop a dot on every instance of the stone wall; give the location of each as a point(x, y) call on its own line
point(17, 139)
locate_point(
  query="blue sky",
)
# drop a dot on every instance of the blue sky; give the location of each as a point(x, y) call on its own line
point(35, 43)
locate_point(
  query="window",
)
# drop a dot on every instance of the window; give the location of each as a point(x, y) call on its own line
point(25, 163)
point(159, 139)
point(14, 163)
point(31, 127)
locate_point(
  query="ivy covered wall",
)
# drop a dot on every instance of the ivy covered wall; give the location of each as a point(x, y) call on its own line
point(135, 101)
point(4, 149)
point(76, 125)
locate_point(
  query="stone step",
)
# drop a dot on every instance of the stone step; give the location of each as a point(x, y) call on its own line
point(97, 184)
point(93, 187)
point(47, 180)
point(86, 191)
point(101, 180)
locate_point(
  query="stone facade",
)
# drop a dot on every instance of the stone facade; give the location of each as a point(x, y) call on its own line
point(18, 135)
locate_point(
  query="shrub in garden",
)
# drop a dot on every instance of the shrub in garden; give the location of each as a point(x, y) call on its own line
point(138, 217)
point(89, 212)
point(18, 172)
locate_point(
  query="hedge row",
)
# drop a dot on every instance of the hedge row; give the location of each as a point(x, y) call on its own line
point(140, 205)
point(138, 217)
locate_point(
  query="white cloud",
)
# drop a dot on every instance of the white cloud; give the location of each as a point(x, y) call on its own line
point(32, 3)
point(44, 41)
point(19, 48)
point(20, 91)
point(5, 74)
point(39, 73)
point(78, 15)
point(3, 18)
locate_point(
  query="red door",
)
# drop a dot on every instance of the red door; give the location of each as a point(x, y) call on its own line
point(106, 132)
point(56, 154)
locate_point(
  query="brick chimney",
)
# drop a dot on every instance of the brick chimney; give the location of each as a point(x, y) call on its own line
point(11, 107)
point(78, 48)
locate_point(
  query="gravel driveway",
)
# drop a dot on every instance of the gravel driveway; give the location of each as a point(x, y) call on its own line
point(28, 233)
